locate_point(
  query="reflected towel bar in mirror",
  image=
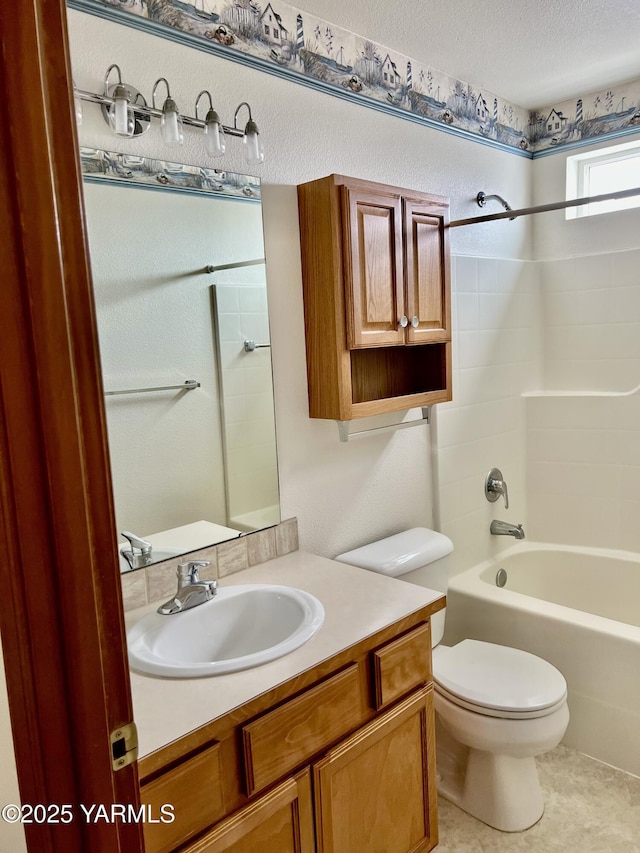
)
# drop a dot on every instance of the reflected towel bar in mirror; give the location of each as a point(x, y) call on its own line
point(210, 268)
point(250, 346)
point(188, 385)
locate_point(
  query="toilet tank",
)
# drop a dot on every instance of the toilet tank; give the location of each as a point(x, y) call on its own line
point(415, 556)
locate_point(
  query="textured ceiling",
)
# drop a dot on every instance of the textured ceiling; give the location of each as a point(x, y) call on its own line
point(531, 52)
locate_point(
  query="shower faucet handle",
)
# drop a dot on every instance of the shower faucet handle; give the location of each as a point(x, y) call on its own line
point(494, 486)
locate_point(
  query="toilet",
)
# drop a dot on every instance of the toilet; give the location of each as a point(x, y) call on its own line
point(496, 707)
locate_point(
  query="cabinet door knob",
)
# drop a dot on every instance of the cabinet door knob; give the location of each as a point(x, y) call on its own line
point(415, 322)
point(403, 321)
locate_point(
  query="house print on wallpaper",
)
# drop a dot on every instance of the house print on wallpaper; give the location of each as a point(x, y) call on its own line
point(272, 29)
point(303, 44)
point(111, 166)
point(600, 114)
point(312, 50)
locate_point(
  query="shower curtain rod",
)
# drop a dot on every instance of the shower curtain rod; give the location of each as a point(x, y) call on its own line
point(543, 208)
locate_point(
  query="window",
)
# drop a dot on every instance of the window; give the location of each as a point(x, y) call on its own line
point(607, 170)
point(266, 29)
point(276, 34)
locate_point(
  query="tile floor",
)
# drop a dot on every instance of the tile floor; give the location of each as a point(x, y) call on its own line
point(589, 808)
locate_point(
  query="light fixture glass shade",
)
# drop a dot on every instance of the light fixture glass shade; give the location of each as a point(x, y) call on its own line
point(171, 125)
point(253, 150)
point(77, 103)
point(121, 115)
point(214, 137)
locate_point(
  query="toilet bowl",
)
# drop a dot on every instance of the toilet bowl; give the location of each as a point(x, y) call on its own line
point(497, 707)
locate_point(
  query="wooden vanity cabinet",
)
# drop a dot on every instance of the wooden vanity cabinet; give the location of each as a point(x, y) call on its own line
point(339, 760)
point(377, 297)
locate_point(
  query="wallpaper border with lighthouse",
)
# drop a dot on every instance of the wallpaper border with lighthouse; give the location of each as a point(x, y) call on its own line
point(281, 39)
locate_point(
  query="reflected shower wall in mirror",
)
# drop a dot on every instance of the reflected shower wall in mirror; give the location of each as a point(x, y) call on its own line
point(189, 467)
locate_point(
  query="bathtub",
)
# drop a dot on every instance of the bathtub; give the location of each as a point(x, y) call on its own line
point(578, 608)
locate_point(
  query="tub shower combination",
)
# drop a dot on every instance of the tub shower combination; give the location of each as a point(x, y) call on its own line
point(579, 609)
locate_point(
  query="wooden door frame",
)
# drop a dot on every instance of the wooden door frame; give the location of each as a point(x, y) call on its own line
point(60, 609)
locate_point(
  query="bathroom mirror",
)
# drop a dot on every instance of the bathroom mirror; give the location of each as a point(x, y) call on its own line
point(177, 258)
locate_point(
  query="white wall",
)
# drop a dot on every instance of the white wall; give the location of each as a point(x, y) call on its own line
point(342, 494)
point(556, 237)
point(12, 836)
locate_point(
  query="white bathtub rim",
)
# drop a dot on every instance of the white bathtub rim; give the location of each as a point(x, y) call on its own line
point(470, 582)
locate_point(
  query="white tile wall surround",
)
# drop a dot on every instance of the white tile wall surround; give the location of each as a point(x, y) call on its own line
point(591, 316)
point(496, 359)
point(583, 448)
point(250, 441)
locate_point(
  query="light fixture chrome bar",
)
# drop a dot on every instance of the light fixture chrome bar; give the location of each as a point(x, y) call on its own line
point(544, 208)
point(152, 112)
point(188, 385)
point(237, 265)
point(345, 435)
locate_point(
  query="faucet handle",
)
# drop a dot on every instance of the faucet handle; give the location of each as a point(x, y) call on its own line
point(494, 486)
point(137, 542)
point(189, 573)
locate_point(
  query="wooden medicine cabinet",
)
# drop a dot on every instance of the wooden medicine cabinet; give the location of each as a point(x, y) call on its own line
point(377, 297)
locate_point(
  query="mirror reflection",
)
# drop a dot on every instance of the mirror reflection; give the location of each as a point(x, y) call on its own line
point(177, 258)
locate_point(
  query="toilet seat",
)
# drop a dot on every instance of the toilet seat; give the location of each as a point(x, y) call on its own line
point(498, 681)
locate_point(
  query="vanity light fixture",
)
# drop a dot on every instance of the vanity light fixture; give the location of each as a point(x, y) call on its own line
point(121, 116)
point(128, 114)
point(213, 133)
point(171, 121)
point(254, 152)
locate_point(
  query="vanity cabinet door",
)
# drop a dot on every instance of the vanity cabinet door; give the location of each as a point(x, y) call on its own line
point(373, 267)
point(376, 790)
point(278, 822)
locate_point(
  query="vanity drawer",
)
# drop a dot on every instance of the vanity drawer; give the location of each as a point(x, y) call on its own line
point(402, 665)
point(286, 737)
point(194, 789)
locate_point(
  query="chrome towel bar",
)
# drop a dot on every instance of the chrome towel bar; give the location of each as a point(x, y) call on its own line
point(345, 435)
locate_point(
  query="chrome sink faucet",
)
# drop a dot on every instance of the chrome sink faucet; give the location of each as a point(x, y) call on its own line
point(503, 528)
point(139, 552)
point(191, 590)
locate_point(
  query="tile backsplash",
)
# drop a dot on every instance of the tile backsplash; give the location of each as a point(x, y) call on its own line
point(159, 581)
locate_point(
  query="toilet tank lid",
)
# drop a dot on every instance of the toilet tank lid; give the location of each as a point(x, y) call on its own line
point(396, 555)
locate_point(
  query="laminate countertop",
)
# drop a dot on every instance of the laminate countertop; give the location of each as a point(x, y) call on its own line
point(357, 604)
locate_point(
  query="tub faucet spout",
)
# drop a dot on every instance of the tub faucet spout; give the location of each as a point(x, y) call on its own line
point(503, 528)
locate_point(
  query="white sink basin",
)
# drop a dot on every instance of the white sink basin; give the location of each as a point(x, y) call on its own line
point(242, 627)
